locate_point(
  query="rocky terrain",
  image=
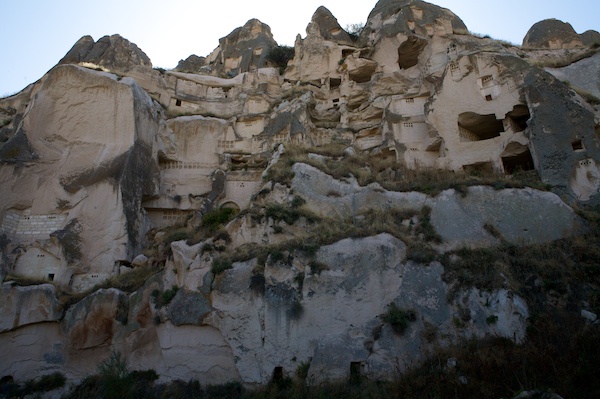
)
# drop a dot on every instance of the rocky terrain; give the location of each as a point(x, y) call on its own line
point(344, 208)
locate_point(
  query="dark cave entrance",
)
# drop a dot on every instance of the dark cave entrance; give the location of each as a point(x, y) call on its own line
point(475, 127)
point(517, 157)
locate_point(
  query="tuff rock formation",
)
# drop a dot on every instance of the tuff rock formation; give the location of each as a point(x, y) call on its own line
point(108, 175)
point(556, 34)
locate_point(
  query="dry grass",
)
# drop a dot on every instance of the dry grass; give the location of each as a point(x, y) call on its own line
point(393, 175)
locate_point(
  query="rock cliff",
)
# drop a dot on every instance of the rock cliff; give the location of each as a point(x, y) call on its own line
point(225, 221)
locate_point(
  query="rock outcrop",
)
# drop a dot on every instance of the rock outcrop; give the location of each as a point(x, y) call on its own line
point(192, 64)
point(95, 136)
point(257, 222)
point(112, 52)
point(243, 50)
point(556, 34)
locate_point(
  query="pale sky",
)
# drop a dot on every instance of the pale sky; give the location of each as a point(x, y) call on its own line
point(36, 34)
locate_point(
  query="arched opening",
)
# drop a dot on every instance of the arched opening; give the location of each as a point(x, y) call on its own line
point(230, 205)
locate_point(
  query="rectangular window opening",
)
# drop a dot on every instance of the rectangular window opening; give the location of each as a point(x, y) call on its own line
point(355, 372)
point(577, 145)
point(278, 373)
point(51, 276)
point(178, 103)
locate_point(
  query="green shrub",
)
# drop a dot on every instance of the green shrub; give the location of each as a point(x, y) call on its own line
point(45, 383)
point(297, 202)
point(219, 265)
point(218, 218)
point(114, 366)
point(131, 281)
point(491, 319)
point(230, 390)
point(168, 295)
point(277, 256)
point(398, 318)
point(426, 228)
point(279, 56)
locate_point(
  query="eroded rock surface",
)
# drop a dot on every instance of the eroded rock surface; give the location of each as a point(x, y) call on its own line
point(113, 52)
point(101, 170)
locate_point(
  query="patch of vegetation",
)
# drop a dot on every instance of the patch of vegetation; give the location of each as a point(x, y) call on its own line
point(317, 267)
point(289, 215)
point(24, 281)
point(393, 175)
point(277, 255)
point(164, 298)
point(495, 367)
point(114, 381)
point(426, 228)
point(220, 265)
point(44, 383)
point(490, 320)
point(279, 57)
point(494, 232)
point(217, 218)
point(128, 282)
point(567, 269)
point(176, 234)
point(399, 319)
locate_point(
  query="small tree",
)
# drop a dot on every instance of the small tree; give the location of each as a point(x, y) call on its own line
point(399, 318)
point(279, 56)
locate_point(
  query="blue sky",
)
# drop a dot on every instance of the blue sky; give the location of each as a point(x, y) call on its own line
point(36, 34)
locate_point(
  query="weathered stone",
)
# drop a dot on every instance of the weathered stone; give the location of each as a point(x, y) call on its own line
point(244, 49)
point(94, 321)
point(192, 64)
point(552, 34)
point(20, 306)
point(460, 220)
point(111, 52)
point(578, 74)
point(328, 27)
point(390, 17)
point(589, 316)
point(590, 37)
point(91, 149)
point(140, 260)
point(188, 308)
point(90, 162)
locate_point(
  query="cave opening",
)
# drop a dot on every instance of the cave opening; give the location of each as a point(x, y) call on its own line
point(475, 127)
point(577, 145)
point(518, 117)
point(409, 51)
point(278, 373)
point(517, 157)
point(355, 372)
point(334, 83)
